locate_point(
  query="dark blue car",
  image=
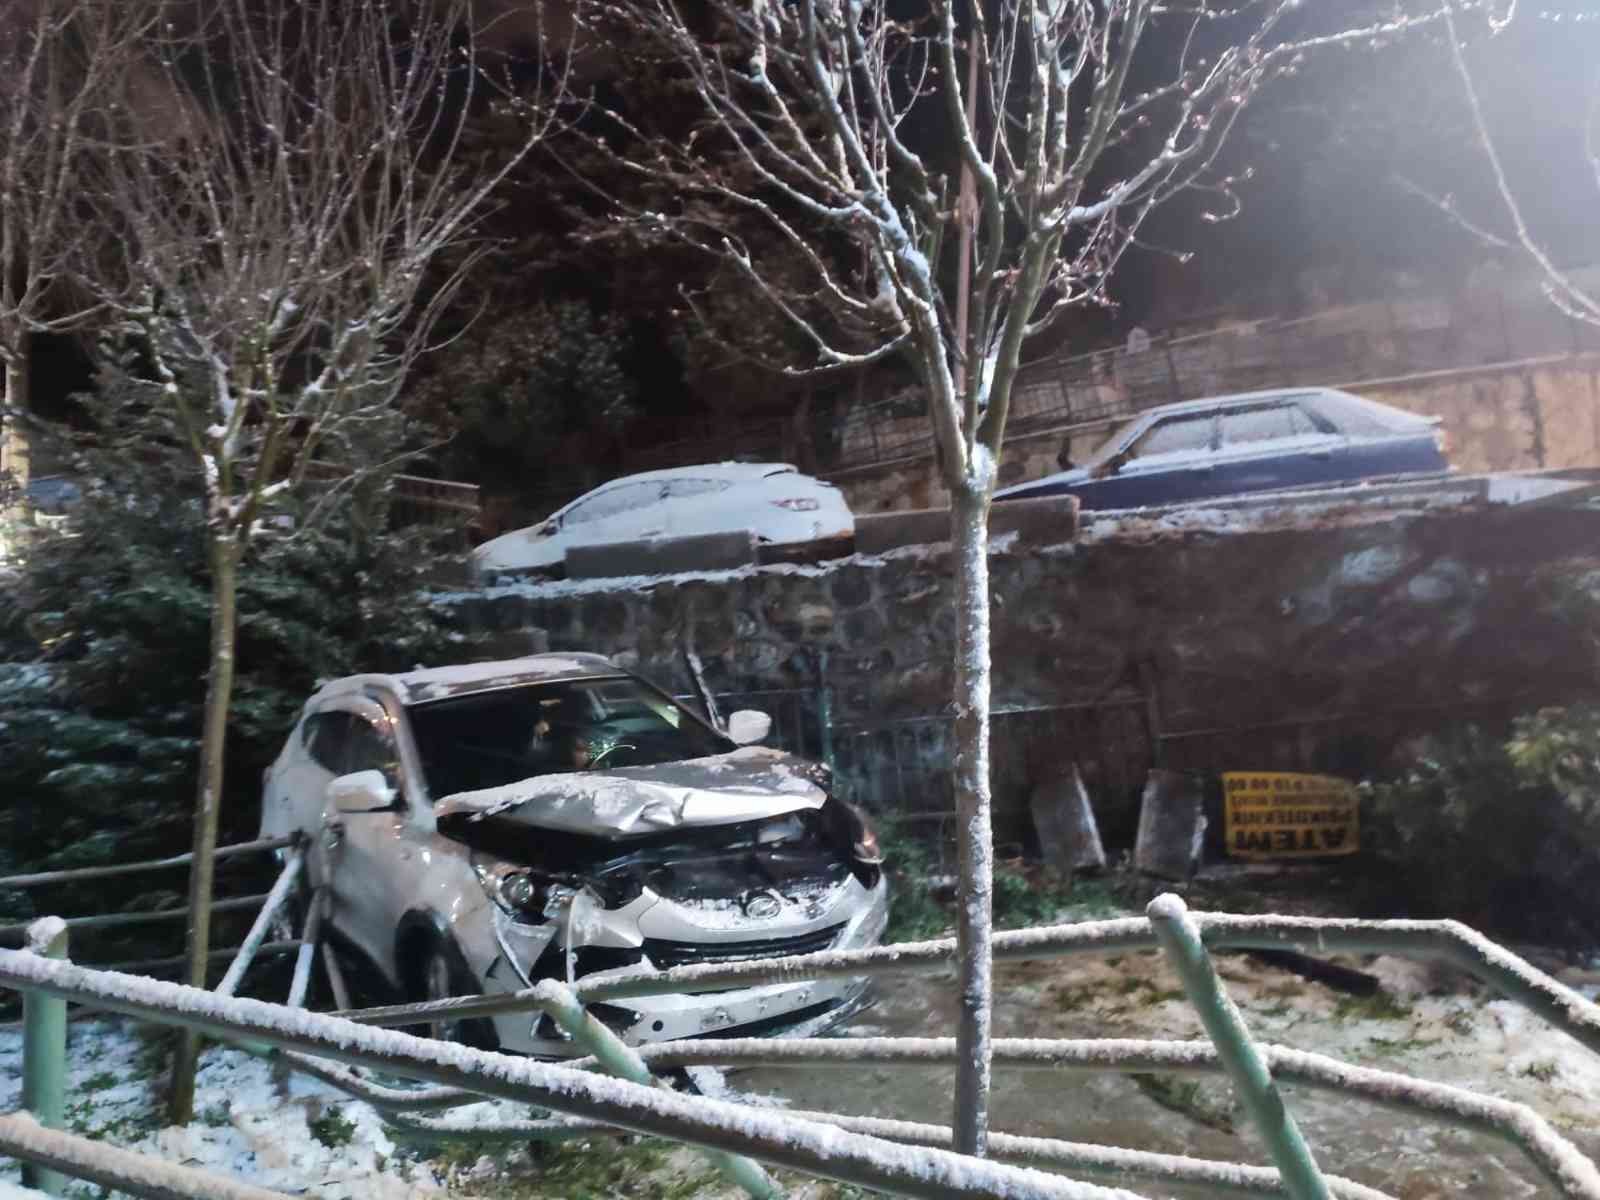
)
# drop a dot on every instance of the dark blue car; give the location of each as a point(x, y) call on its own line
point(1252, 442)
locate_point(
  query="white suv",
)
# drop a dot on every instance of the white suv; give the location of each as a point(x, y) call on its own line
point(482, 827)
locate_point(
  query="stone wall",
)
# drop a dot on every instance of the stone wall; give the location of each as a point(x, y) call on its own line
point(1341, 621)
point(1498, 419)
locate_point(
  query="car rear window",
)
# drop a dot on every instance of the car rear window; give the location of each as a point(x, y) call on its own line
point(1264, 423)
point(1355, 417)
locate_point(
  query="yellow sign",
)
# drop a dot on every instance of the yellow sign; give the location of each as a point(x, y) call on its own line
point(1273, 814)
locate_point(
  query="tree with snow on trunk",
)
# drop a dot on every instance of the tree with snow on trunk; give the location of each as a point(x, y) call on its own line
point(310, 171)
point(944, 181)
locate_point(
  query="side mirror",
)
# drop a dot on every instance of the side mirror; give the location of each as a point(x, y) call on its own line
point(1112, 465)
point(748, 726)
point(546, 528)
point(362, 792)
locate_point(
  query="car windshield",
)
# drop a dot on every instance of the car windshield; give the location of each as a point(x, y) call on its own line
point(490, 739)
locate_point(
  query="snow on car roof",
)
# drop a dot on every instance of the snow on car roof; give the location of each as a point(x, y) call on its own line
point(1233, 398)
point(437, 683)
point(724, 470)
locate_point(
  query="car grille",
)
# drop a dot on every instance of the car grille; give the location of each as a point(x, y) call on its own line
point(777, 1024)
point(666, 954)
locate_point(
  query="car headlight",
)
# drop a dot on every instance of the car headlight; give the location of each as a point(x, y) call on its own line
point(526, 896)
point(850, 828)
point(864, 840)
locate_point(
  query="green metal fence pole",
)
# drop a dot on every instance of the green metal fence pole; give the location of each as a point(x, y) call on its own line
point(44, 1051)
point(618, 1058)
point(1180, 941)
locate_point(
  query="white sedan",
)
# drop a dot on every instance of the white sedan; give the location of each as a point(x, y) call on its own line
point(772, 500)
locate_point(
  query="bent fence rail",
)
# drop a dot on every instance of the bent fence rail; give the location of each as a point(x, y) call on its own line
point(899, 1157)
point(17, 930)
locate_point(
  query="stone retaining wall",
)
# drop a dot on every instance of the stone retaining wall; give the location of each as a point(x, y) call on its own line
point(1352, 620)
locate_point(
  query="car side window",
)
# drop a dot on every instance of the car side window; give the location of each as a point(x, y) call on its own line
point(372, 748)
point(327, 737)
point(612, 501)
point(1266, 423)
point(1174, 435)
point(677, 489)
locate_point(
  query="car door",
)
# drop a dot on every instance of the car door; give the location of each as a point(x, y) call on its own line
point(1275, 444)
point(370, 856)
point(1170, 461)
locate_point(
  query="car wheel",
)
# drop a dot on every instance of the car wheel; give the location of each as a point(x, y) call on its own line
point(441, 974)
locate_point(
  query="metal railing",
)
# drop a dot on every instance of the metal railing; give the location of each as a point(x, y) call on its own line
point(1166, 927)
point(799, 720)
point(16, 930)
point(873, 1152)
point(899, 1157)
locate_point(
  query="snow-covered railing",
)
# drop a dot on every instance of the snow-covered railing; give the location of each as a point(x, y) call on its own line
point(900, 1157)
point(1448, 941)
point(812, 1147)
point(1451, 941)
point(261, 947)
point(21, 1136)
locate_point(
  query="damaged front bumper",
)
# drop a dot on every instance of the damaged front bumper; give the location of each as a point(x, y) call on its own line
point(801, 1009)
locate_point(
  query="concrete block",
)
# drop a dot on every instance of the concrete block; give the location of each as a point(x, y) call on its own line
point(1172, 825)
point(1043, 521)
point(877, 533)
point(663, 556)
point(1039, 521)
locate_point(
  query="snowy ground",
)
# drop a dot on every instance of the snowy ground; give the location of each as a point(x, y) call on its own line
point(300, 1137)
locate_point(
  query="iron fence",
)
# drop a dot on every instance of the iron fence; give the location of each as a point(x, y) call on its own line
point(97, 923)
point(890, 1155)
point(1351, 346)
point(737, 1137)
point(900, 771)
point(799, 720)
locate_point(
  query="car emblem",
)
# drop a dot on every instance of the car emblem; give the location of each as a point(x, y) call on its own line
point(761, 906)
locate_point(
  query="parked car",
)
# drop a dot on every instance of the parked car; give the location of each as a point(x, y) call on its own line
point(781, 506)
point(53, 495)
point(481, 827)
point(1253, 442)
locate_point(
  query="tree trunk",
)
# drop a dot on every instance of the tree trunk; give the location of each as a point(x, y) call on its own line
point(969, 535)
point(14, 446)
point(224, 555)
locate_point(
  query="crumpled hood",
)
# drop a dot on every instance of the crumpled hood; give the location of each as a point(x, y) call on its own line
point(745, 785)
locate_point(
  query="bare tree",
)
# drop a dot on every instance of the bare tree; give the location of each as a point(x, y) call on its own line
point(63, 66)
point(842, 127)
point(281, 239)
point(1509, 229)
